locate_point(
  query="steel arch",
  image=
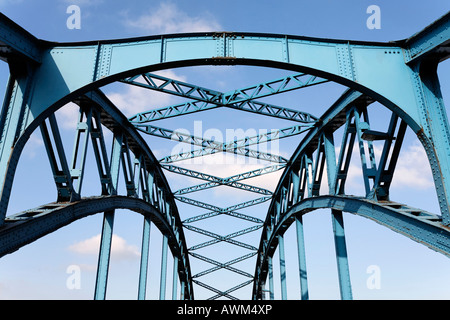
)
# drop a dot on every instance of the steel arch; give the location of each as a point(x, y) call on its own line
point(401, 75)
point(298, 190)
point(147, 191)
point(27, 226)
point(397, 76)
point(416, 224)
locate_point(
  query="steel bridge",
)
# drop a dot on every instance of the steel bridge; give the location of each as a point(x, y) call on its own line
point(400, 75)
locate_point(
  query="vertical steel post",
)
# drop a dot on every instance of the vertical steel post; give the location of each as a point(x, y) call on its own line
point(144, 258)
point(341, 255)
point(175, 278)
point(270, 267)
point(182, 288)
point(435, 134)
point(282, 267)
point(330, 157)
point(162, 287)
point(80, 146)
point(104, 255)
point(108, 223)
point(61, 172)
point(11, 122)
point(301, 258)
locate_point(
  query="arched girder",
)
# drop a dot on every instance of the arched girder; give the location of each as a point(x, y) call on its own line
point(298, 190)
point(25, 227)
point(143, 178)
point(376, 69)
point(418, 225)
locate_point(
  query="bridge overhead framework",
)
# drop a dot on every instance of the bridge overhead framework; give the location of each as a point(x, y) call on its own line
point(400, 76)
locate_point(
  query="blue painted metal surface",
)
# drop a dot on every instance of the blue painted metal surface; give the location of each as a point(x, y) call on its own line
point(401, 75)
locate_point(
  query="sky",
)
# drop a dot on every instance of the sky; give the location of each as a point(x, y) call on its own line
point(45, 269)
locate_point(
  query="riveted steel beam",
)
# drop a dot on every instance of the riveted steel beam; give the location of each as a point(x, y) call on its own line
point(17, 44)
point(430, 43)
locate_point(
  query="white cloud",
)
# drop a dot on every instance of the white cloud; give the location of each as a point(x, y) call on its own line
point(67, 116)
point(413, 169)
point(33, 146)
point(168, 18)
point(120, 249)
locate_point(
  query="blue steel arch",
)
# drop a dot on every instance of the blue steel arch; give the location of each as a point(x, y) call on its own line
point(297, 193)
point(28, 226)
point(148, 193)
point(400, 75)
point(389, 72)
point(397, 217)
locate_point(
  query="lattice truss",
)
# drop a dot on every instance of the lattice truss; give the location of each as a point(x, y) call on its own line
point(318, 162)
point(314, 177)
point(245, 100)
point(308, 168)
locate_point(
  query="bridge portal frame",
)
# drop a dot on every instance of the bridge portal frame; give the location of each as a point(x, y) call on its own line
point(401, 75)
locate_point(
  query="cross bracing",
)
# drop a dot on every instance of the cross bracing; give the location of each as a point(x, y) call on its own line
point(315, 176)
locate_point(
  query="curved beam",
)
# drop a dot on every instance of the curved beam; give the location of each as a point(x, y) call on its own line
point(297, 194)
point(376, 69)
point(379, 70)
point(28, 226)
point(38, 222)
point(418, 225)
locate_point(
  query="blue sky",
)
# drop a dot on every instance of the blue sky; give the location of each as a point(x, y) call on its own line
point(39, 270)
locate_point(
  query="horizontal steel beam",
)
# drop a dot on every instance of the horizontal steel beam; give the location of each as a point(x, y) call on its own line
point(16, 43)
point(217, 210)
point(432, 42)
